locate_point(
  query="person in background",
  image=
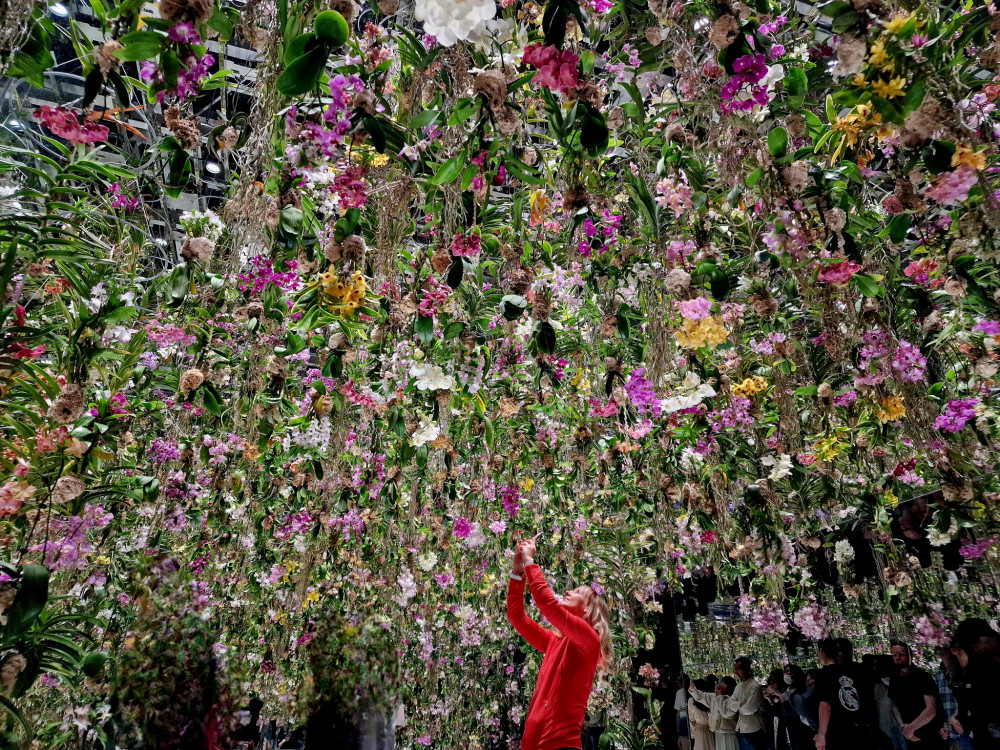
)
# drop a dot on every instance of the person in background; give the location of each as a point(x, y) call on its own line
point(950, 674)
point(977, 646)
point(721, 718)
point(799, 738)
point(747, 700)
point(845, 699)
point(247, 735)
point(698, 717)
point(915, 697)
point(888, 718)
point(775, 701)
point(806, 705)
point(681, 707)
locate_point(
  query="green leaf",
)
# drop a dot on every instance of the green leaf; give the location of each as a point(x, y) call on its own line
point(375, 132)
point(93, 663)
point(865, 284)
point(221, 23)
point(453, 330)
point(291, 220)
point(303, 73)
point(546, 337)
point(424, 328)
point(32, 593)
point(594, 132)
point(513, 306)
point(449, 170)
point(899, 227)
point(211, 402)
point(92, 87)
point(797, 85)
point(140, 45)
point(455, 272)
point(777, 142)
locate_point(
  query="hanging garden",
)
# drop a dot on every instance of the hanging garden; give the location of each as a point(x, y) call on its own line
point(311, 310)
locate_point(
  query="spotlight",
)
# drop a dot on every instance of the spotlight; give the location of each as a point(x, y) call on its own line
point(59, 10)
point(213, 167)
point(15, 125)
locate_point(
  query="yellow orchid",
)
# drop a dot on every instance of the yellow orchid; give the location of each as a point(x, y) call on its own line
point(965, 156)
point(890, 89)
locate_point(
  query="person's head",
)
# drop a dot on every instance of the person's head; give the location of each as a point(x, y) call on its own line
point(975, 636)
point(710, 682)
point(900, 653)
point(794, 677)
point(584, 602)
point(811, 676)
point(949, 663)
point(256, 704)
point(743, 668)
point(683, 681)
point(776, 680)
point(726, 686)
point(845, 651)
point(827, 652)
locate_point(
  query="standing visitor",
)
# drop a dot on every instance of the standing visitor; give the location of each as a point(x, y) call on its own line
point(573, 652)
point(889, 723)
point(806, 706)
point(721, 718)
point(798, 733)
point(845, 700)
point(977, 646)
point(681, 707)
point(950, 674)
point(699, 717)
point(915, 697)
point(747, 701)
point(776, 701)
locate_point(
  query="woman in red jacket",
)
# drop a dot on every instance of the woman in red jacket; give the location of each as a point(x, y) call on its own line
point(573, 652)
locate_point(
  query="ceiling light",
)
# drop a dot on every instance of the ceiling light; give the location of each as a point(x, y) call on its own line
point(15, 124)
point(59, 10)
point(213, 167)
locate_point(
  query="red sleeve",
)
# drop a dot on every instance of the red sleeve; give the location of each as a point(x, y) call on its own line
point(530, 630)
point(575, 628)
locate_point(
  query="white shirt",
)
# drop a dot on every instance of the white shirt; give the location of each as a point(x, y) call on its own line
point(746, 701)
point(680, 701)
point(721, 718)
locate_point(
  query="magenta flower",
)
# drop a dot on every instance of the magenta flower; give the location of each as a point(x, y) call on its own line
point(67, 124)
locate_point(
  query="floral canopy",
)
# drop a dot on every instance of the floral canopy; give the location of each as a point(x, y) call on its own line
point(310, 310)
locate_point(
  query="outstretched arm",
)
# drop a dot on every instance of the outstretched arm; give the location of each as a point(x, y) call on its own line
point(530, 630)
point(575, 628)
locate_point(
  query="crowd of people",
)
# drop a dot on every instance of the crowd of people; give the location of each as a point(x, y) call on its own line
point(884, 701)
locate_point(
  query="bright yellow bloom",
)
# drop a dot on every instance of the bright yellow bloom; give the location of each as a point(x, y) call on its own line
point(694, 334)
point(103, 560)
point(351, 294)
point(859, 80)
point(965, 155)
point(828, 448)
point(891, 409)
point(750, 387)
point(527, 484)
point(895, 25)
point(890, 499)
point(879, 58)
point(890, 89)
point(312, 596)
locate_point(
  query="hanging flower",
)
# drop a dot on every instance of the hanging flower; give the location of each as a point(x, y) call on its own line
point(449, 21)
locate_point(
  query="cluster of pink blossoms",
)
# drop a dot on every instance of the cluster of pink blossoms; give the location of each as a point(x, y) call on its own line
point(557, 69)
point(674, 193)
point(743, 91)
point(466, 245)
point(953, 187)
point(838, 273)
point(67, 124)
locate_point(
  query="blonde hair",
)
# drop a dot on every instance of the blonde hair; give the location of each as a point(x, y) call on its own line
point(598, 616)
